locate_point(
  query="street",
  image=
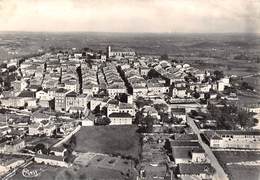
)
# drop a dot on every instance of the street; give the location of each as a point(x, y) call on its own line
point(220, 173)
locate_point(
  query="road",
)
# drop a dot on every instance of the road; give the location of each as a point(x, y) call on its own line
point(220, 173)
point(13, 172)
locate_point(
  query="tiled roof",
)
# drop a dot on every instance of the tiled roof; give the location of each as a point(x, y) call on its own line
point(120, 115)
point(72, 94)
point(26, 93)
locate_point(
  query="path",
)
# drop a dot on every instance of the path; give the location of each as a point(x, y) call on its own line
point(220, 173)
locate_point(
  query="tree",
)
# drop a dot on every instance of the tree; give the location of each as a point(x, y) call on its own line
point(196, 95)
point(12, 68)
point(96, 110)
point(103, 111)
point(246, 86)
point(138, 117)
point(153, 74)
point(103, 121)
point(167, 146)
point(149, 121)
point(141, 102)
point(161, 107)
point(218, 74)
point(122, 97)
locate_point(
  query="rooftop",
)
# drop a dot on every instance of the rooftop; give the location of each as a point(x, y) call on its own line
point(185, 137)
point(184, 144)
point(61, 90)
point(26, 93)
point(119, 115)
point(72, 94)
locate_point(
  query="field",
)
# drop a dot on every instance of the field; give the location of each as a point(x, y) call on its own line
point(43, 171)
point(56, 173)
point(109, 140)
point(238, 171)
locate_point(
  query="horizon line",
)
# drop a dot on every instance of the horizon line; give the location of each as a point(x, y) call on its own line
point(125, 32)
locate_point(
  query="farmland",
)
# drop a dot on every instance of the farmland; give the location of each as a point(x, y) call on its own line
point(234, 164)
point(109, 140)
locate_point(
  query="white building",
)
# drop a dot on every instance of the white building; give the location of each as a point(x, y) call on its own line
point(114, 90)
point(120, 119)
point(43, 95)
point(122, 53)
point(234, 139)
point(51, 160)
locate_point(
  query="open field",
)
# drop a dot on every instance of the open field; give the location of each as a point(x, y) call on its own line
point(245, 172)
point(90, 173)
point(109, 140)
point(44, 172)
point(239, 172)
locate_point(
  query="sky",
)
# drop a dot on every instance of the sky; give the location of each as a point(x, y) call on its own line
point(158, 16)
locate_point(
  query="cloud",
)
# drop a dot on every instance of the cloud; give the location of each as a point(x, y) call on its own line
point(131, 15)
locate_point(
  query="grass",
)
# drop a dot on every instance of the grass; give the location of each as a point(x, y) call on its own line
point(244, 172)
point(239, 171)
point(48, 172)
point(121, 140)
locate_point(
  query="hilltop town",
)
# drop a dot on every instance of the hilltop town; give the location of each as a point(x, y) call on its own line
point(80, 113)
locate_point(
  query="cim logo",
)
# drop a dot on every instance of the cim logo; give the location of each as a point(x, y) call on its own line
point(31, 173)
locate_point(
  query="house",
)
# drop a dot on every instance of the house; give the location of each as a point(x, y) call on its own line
point(120, 119)
point(19, 86)
point(144, 71)
point(187, 155)
point(179, 92)
point(15, 102)
point(34, 88)
point(90, 88)
point(222, 83)
point(60, 99)
point(58, 151)
point(96, 102)
point(198, 155)
point(184, 144)
point(139, 90)
point(156, 88)
point(27, 94)
point(181, 155)
point(114, 90)
point(116, 106)
point(4, 129)
point(71, 100)
point(185, 137)
point(31, 103)
point(39, 117)
point(41, 129)
point(112, 106)
point(204, 88)
point(12, 146)
point(43, 95)
point(179, 113)
point(49, 83)
point(233, 139)
point(71, 85)
point(87, 122)
point(51, 160)
point(127, 108)
point(198, 171)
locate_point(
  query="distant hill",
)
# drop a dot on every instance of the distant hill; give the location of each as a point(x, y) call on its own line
point(206, 45)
